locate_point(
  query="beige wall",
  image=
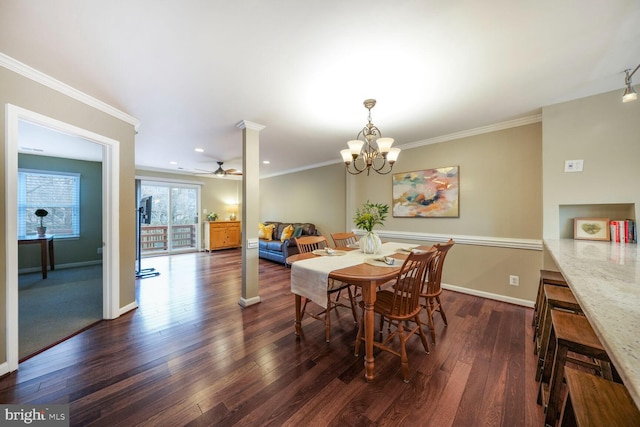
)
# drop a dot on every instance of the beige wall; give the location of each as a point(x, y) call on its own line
point(22, 92)
point(500, 199)
point(500, 184)
point(315, 195)
point(604, 132)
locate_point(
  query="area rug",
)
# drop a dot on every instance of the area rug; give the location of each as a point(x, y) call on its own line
point(54, 308)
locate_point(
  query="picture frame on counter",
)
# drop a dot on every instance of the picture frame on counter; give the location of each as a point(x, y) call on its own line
point(591, 229)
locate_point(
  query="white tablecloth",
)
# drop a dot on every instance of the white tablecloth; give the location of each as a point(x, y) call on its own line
point(309, 277)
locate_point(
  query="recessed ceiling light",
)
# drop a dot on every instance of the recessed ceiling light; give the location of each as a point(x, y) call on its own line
point(173, 163)
point(199, 150)
point(266, 162)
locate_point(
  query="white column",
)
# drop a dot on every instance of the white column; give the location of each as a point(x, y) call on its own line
point(250, 210)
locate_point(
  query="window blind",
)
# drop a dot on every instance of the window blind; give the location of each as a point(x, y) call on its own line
point(56, 192)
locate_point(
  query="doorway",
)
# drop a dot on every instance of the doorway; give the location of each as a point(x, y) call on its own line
point(110, 231)
point(68, 190)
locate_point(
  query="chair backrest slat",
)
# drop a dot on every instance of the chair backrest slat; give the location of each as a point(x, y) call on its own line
point(344, 239)
point(434, 274)
point(310, 243)
point(406, 296)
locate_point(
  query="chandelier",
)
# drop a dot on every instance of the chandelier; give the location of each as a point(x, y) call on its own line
point(363, 156)
point(629, 94)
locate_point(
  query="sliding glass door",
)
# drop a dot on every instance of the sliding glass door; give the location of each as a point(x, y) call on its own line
point(173, 224)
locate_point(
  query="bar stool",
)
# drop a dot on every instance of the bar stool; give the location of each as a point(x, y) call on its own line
point(547, 277)
point(569, 333)
point(614, 405)
point(554, 298)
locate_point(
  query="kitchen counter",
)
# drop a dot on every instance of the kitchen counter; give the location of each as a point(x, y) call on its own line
point(605, 279)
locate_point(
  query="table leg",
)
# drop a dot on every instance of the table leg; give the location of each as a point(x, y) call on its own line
point(51, 259)
point(298, 314)
point(43, 257)
point(369, 298)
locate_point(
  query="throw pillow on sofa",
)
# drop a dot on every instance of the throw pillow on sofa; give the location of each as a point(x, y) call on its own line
point(287, 232)
point(265, 231)
point(297, 232)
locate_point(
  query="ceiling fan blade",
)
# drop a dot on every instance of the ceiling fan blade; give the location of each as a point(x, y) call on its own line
point(220, 171)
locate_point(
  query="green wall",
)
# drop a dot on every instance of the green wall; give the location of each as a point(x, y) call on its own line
point(85, 248)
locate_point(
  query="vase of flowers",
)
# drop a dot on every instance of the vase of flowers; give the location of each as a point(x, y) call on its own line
point(212, 216)
point(367, 217)
point(41, 213)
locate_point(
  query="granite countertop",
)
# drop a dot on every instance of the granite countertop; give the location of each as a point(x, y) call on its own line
point(605, 279)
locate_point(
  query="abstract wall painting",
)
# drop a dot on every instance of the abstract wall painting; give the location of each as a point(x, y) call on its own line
point(430, 193)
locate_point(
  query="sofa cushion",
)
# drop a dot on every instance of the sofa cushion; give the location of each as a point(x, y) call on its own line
point(277, 232)
point(273, 245)
point(308, 229)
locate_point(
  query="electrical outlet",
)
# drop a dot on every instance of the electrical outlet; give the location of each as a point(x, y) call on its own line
point(573, 165)
point(514, 280)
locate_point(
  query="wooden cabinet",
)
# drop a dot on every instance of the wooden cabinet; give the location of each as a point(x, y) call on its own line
point(222, 235)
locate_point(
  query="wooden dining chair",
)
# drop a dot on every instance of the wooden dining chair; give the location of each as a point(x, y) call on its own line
point(309, 244)
point(432, 288)
point(400, 306)
point(344, 239)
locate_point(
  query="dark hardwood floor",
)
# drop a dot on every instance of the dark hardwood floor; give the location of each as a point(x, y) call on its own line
point(190, 355)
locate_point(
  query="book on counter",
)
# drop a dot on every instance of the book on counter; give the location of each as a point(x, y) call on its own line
point(623, 231)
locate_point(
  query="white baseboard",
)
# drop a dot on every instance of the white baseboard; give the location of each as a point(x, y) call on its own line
point(4, 368)
point(127, 308)
point(62, 266)
point(488, 295)
point(246, 302)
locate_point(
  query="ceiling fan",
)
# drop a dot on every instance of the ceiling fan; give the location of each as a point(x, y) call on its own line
point(222, 172)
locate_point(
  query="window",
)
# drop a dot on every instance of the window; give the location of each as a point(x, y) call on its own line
point(56, 192)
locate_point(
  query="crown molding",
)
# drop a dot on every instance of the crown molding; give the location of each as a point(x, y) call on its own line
point(39, 77)
point(245, 124)
point(536, 118)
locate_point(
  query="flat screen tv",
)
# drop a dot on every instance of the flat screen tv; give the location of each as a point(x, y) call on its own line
point(145, 210)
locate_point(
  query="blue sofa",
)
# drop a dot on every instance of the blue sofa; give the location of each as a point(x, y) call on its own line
point(277, 250)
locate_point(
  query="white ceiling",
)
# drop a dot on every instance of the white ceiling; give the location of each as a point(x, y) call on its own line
point(190, 70)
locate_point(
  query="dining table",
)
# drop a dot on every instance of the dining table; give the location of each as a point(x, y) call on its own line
point(310, 273)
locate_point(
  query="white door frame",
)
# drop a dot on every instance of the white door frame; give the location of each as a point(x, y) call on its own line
point(110, 219)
